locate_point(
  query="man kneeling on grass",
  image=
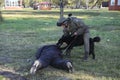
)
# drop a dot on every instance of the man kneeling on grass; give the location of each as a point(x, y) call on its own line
point(50, 55)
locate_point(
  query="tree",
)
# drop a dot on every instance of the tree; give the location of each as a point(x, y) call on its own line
point(61, 8)
point(95, 2)
point(1, 18)
point(57, 2)
point(98, 2)
point(78, 3)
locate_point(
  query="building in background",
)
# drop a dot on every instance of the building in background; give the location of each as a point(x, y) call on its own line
point(13, 4)
point(42, 6)
point(114, 5)
point(45, 6)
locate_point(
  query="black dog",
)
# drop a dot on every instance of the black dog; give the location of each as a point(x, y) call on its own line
point(73, 41)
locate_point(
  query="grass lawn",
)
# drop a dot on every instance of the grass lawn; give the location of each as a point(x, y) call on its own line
point(24, 31)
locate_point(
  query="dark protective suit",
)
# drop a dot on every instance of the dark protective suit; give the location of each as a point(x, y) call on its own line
point(51, 55)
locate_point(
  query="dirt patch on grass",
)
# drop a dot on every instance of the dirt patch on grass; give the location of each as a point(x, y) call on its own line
point(4, 60)
point(11, 76)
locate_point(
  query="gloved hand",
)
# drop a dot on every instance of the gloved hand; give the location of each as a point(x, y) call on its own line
point(75, 33)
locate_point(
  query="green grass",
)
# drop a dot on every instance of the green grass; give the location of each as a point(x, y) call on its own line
point(24, 31)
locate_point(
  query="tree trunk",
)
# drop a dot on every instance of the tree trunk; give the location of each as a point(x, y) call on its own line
point(1, 19)
point(87, 3)
point(61, 8)
point(78, 4)
point(94, 4)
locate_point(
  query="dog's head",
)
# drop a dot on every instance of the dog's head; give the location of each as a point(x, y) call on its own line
point(62, 40)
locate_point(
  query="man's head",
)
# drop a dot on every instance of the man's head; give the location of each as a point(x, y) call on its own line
point(64, 21)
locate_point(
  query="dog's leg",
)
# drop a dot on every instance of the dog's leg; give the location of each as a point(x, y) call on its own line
point(92, 53)
point(92, 49)
point(68, 52)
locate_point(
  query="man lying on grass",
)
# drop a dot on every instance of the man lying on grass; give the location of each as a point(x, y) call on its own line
point(50, 55)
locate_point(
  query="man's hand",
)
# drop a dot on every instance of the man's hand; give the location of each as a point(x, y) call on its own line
point(75, 33)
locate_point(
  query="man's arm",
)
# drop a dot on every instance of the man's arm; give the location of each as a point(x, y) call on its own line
point(81, 27)
point(65, 31)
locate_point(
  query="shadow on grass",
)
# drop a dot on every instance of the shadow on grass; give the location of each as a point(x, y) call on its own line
point(32, 12)
point(106, 28)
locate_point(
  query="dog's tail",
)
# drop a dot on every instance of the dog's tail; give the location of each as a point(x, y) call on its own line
point(96, 39)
